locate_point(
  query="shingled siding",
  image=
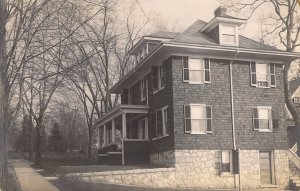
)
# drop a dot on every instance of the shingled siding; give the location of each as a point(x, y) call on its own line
point(216, 94)
point(247, 97)
point(159, 100)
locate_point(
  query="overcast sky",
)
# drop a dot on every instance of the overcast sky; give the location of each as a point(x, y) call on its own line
point(182, 13)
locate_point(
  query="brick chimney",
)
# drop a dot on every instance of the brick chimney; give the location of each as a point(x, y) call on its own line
point(220, 11)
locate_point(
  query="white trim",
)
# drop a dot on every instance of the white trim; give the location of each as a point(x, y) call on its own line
point(236, 34)
point(215, 21)
point(270, 119)
point(197, 132)
point(155, 138)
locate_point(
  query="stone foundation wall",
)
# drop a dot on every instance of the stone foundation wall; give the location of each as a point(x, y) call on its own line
point(200, 169)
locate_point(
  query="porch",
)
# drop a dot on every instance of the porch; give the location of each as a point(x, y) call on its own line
point(123, 136)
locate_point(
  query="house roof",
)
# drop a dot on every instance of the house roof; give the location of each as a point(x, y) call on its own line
point(294, 85)
point(164, 34)
point(193, 35)
point(193, 39)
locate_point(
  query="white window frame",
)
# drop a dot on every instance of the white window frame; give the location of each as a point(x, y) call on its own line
point(164, 130)
point(199, 132)
point(143, 97)
point(202, 70)
point(269, 74)
point(160, 87)
point(270, 119)
point(144, 120)
point(230, 162)
point(221, 33)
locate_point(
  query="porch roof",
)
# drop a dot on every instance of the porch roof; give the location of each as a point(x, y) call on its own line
point(120, 109)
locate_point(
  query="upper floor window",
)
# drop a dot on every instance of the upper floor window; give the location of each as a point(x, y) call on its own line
point(196, 70)
point(262, 119)
point(162, 128)
point(198, 119)
point(262, 75)
point(158, 77)
point(144, 89)
point(228, 34)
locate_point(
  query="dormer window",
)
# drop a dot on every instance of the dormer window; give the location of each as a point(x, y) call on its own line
point(228, 34)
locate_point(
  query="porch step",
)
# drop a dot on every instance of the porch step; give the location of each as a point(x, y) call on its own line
point(295, 182)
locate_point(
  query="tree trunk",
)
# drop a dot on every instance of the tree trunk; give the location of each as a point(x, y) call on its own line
point(3, 96)
point(90, 129)
point(38, 142)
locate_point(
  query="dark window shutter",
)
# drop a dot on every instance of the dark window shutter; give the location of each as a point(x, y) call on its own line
point(159, 126)
point(255, 119)
point(163, 75)
point(124, 97)
point(253, 73)
point(275, 123)
point(167, 120)
point(208, 119)
point(187, 118)
point(235, 161)
point(154, 78)
point(272, 75)
point(186, 72)
point(153, 124)
point(207, 70)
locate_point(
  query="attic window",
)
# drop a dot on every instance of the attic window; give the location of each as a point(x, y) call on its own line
point(228, 34)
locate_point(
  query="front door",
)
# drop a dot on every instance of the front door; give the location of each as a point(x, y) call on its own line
point(265, 168)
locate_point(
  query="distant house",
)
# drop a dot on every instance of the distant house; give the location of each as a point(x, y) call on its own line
point(207, 101)
point(293, 132)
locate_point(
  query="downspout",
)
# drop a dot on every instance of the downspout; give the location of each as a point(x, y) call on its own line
point(232, 116)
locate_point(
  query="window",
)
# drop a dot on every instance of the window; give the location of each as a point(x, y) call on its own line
point(198, 119)
point(262, 118)
point(262, 75)
point(226, 162)
point(162, 128)
point(158, 77)
point(143, 128)
point(228, 34)
point(142, 53)
point(144, 90)
point(296, 101)
point(196, 70)
point(266, 168)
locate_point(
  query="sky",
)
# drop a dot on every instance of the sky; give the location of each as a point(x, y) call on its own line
point(181, 13)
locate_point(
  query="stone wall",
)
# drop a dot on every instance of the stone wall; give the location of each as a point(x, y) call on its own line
point(157, 177)
point(202, 169)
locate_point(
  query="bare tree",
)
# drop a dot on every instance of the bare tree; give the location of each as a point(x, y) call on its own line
point(283, 22)
point(3, 95)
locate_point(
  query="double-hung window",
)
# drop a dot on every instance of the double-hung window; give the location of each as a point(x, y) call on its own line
point(262, 74)
point(226, 161)
point(162, 127)
point(196, 70)
point(262, 119)
point(198, 119)
point(144, 89)
point(158, 77)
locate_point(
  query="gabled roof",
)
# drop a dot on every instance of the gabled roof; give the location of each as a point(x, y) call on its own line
point(164, 34)
point(193, 35)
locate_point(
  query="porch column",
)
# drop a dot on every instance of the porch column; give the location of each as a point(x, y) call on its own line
point(113, 130)
point(99, 138)
point(124, 128)
point(104, 137)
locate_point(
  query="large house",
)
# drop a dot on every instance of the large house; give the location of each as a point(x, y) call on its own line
point(208, 102)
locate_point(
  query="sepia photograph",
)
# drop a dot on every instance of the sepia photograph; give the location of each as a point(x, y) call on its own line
point(149, 95)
